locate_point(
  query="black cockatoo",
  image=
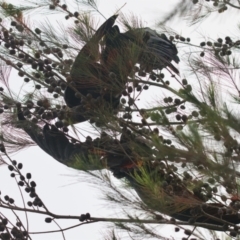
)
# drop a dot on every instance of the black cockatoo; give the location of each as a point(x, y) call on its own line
point(104, 74)
point(176, 201)
point(55, 143)
point(159, 192)
point(89, 77)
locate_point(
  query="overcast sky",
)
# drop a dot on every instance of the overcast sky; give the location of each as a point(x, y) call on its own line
point(59, 186)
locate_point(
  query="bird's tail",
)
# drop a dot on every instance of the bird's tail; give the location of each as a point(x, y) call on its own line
point(157, 51)
point(211, 213)
point(104, 28)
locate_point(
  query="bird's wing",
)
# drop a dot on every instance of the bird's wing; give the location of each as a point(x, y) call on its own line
point(33, 131)
point(51, 140)
point(79, 156)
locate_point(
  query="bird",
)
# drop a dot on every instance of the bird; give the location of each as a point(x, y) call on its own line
point(158, 191)
point(55, 143)
point(103, 75)
point(176, 201)
point(88, 77)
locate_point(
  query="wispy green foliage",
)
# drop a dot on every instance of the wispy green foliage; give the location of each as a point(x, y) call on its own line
point(179, 153)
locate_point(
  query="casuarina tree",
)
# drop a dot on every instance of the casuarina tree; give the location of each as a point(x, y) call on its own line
point(180, 155)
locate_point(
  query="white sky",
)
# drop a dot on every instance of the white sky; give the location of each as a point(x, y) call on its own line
point(59, 186)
